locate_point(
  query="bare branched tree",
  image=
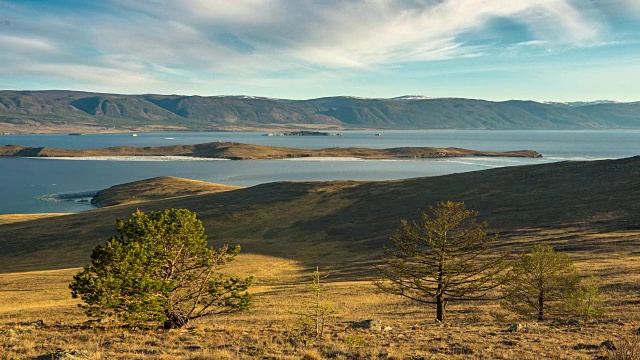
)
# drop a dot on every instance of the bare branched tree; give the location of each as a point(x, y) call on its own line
point(447, 256)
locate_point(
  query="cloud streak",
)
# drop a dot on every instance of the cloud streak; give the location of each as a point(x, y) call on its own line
point(153, 42)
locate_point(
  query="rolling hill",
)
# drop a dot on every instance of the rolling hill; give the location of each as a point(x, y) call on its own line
point(59, 110)
point(338, 224)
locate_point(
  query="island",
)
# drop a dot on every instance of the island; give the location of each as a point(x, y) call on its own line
point(239, 151)
point(303, 133)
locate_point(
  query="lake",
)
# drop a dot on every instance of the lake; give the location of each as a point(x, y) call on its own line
point(27, 185)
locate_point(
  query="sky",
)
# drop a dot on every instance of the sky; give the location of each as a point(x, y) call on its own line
point(543, 50)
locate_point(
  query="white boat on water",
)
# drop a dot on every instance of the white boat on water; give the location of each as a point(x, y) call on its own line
point(134, 134)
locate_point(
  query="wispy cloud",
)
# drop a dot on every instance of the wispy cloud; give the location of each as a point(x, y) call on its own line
point(154, 42)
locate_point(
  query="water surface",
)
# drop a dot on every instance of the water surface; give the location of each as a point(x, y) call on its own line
point(23, 181)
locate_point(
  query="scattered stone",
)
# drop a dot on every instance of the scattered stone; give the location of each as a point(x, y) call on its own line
point(417, 357)
point(149, 351)
point(33, 323)
point(296, 342)
point(581, 346)
point(517, 328)
point(370, 324)
point(9, 333)
point(608, 344)
point(387, 328)
point(65, 355)
point(461, 350)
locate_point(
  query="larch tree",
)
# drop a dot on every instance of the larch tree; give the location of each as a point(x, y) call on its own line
point(447, 256)
point(541, 282)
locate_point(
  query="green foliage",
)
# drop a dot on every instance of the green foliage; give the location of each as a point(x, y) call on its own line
point(447, 256)
point(158, 268)
point(313, 319)
point(541, 282)
point(586, 299)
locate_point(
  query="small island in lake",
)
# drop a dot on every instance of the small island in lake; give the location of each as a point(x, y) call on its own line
point(238, 151)
point(303, 133)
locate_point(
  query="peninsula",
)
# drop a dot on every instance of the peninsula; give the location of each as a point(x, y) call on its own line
point(238, 151)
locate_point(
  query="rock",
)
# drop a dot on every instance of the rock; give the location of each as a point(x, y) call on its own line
point(9, 333)
point(387, 328)
point(33, 323)
point(370, 324)
point(586, 347)
point(461, 350)
point(517, 328)
point(65, 355)
point(573, 322)
point(638, 331)
point(608, 344)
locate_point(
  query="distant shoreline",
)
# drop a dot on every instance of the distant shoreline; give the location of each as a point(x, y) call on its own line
point(239, 151)
point(127, 158)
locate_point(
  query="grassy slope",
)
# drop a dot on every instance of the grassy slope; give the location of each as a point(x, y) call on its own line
point(336, 223)
point(154, 189)
point(589, 209)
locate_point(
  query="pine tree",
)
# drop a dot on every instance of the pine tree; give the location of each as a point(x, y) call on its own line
point(159, 268)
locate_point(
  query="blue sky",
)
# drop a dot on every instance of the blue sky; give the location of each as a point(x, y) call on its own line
point(544, 50)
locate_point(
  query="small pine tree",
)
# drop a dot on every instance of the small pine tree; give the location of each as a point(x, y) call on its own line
point(159, 268)
point(540, 282)
point(586, 299)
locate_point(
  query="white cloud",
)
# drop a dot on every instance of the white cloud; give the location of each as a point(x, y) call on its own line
point(347, 33)
point(152, 42)
point(24, 44)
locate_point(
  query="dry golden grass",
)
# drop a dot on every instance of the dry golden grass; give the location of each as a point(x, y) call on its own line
point(16, 218)
point(286, 229)
point(163, 187)
point(270, 329)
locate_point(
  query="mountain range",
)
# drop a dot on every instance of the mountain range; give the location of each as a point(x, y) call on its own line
point(61, 108)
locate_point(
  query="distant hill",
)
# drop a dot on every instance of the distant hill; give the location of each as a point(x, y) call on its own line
point(162, 187)
point(335, 222)
point(61, 109)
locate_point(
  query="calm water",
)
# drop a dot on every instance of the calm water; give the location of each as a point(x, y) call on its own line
point(24, 181)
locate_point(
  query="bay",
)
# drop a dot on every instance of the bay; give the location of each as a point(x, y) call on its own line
point(26, 185)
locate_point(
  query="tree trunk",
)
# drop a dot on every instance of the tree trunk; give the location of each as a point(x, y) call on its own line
point(175, 321)
point(540, 306)
point(440, 308)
